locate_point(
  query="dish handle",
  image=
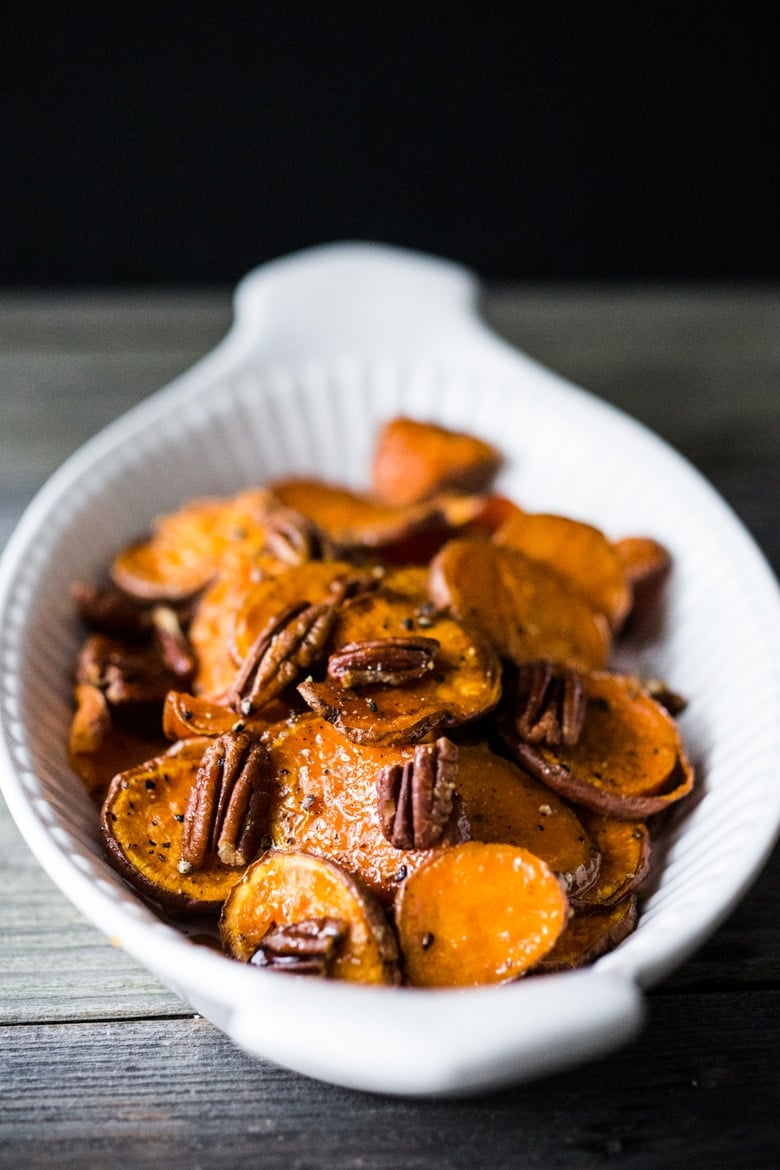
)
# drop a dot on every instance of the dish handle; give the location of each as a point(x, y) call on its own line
point(358, 299)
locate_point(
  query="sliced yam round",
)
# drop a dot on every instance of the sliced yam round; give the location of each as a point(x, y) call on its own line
point(352, 521)
point(186, 716)
point(142, 821)
point(525, 609)
point(97, 748)
point(625, 858)
point(186, 547)
point(325, 801)
point(314, 582)
point(503, 804)
point(284, 889)
point(643, 558)
point(211, 631)
point(478, 913)
point(646, 563)
point(465, 681)
point(577, 551)
point(495, 511)
point(415, 460)
point(589, 935)
point(629, 761)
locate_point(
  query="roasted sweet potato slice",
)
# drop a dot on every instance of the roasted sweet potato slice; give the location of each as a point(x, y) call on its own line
point(284, 890)
point(478, 913)
point(625, 859)
point(313, 582)
point(352, 521)
point(643, 558)
point(326, 801)
point(97, 748)
point(503, 804)
point(576, 551)
point(187, 716)
point(415, 460)
point(646, 563)
point(629, 761)
point(590, 935)
point(186, 547)
point(142, 823)
point(493, 513)
point(212, 629)
point(523, 607)
point(463, 684)
point(241, 603)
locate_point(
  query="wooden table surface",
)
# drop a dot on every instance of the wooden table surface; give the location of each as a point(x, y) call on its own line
point(101, 1066)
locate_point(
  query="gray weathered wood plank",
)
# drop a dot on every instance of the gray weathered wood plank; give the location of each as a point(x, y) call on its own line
point(175, 1093)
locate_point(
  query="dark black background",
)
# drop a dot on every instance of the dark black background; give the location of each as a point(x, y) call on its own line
point(169, 143)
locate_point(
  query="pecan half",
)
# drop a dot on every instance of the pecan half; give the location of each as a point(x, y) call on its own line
point(289, 645)
point(301, 948)
point(549, 704)
point(126, 673)
point(417, 802)
point(228, 805)
point(294, 538)
point(392, 661)
point(106, 608)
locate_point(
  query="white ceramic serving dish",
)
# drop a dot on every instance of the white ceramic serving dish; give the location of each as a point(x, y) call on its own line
point(325, 345)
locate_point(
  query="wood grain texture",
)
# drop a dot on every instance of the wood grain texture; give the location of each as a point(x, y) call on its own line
point(100, 1064)
point(176, 1093)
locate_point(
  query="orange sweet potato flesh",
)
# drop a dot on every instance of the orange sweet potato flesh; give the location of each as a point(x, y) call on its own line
point(643, 558)
point(325, 801)
point(313, 582)
point(187, 716)
point(578, 552)
point(625, 858)
point(186, 547)
point(142, 825)
point(282, 888)
point(211, 630)
point(97, 748)
point(464, 684)
point(494, 511)
point(504, 804)
point(352, 521)
point(523, 607)
point(590, 935)
point(629, 761)
point(478, 913)
point(416, 460)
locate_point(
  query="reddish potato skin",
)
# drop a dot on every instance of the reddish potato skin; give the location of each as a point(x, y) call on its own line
point(625, 849)
point(589, 936)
